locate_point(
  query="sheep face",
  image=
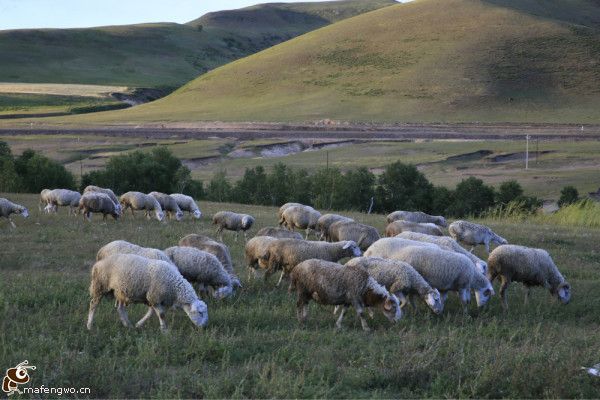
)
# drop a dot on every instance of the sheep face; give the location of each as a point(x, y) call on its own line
point(49, 209)
point(442, 222)
point(434, 301)
point(499, 240)
point(391, 308)
point(24, 212)
point(353, 247)
point(223, 292)
point(247, 222)
point(179, 215)
point(197, 214)
point(481, 266)
point(482, 296)
point(564, 293)
point(159, 215)
point(197, 312)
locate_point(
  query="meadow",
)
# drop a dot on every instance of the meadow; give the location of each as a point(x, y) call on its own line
point(253, 345)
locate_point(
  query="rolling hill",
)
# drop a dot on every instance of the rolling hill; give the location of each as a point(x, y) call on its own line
point(424, 61)
point(161, 54)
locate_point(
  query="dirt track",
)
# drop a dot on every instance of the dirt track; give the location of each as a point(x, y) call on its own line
point(314, 131)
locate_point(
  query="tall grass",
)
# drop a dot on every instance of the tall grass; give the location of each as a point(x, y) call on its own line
point(584, 214)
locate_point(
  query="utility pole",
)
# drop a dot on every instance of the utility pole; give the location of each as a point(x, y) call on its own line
point(527, 152)
point(80, 162)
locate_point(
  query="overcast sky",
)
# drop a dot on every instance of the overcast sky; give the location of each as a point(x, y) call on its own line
point(17, 14)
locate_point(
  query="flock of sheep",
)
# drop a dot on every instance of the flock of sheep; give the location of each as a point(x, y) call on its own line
point(414, 260)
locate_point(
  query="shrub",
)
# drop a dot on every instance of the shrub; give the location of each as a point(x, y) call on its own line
point(509, 191)
point(403, 187)
point(31, 172)
point(471, 197)
point(568, 195)
point(219, 189)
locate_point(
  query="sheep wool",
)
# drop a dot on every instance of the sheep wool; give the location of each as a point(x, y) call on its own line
point(7, 208)
point(279, 233)
point(62, 198)
point(473, 234)
point(418, 217)
point(363, 235)
point(141, 201)
point(168, 204)
point(400, 226)
point(97, 202)
point(232, 222)
point(124, 247)
point(301, 217)
point(326, 221)
point(187, 203)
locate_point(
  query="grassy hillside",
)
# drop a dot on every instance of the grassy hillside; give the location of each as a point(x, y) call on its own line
point(428, 60)
point(253, 346)
point(162, 54)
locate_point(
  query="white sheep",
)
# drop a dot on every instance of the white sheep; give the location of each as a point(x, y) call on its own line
point(141, 201)
point(279, 233)
point(363, 235)
point(43, 203)
point(473, 234)
point(396, 227)
point(201, 267)
point(62, 198)
point(326, 220)
point(124, 247)
point(301, 217)
point(168, 204)
point(446, 243)
point(255, 252)
point(7, 208)
point(532, 267)
point(334, 284)
point(135, 279)
point(187, 203)
point(384, 247)
point(401, 279)
point(232, 222)
point(416, 216)
point(97, 202)
point(283, 208)
point(106, 191)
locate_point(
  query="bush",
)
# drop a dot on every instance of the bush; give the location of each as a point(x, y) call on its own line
point(471, 197)
point(509, 191)
point(219, 189)
point(403, 187)
point(568, 195)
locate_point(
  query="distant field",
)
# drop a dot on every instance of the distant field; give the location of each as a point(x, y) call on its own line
point(253, 346)
point(61, 89)
point(444, 162)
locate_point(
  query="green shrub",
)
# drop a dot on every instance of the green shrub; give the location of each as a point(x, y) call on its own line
point(509, 191)
point(471, 197)
point(568, 195)
point(403, 187)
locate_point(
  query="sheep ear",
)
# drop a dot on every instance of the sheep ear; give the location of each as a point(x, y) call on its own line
point(387, 305)
point(266, 256)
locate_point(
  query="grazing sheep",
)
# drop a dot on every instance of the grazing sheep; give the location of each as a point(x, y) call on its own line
point(134, 279)
point(285, 254)
point(326, 221)
point(416, 216)
point(334, 284)
point(211, 246)
point(255, 250)
point(474, 234)
point(279, 233)
point(97, 202)
point(401, 279)
point(43, 203)
point(386, 247)
point(400, 226)
point(363, 235)
point(283, 208)
point(446, 243)
point(187, 203)
point(232, 222)
point(201, 267)
point(301, 217)
point(108, 192)
point(141, 201)
point(532, 267)
point(63, 198)
point(123, 247)
point(447, 271)
point(7, 208)
point(168, 204)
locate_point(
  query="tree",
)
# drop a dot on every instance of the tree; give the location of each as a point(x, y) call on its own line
point(403, 187)
point(219, 189)
point(568, 195)
point(357, 189)
point(37, 172)
point(442, 200)
point(509, 191)
point(471, 197)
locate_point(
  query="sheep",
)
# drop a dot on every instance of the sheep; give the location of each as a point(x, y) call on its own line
point(363, 235)
point(141, 201)
point(62, 197)
point(416, 216)
point(108, 192)
point(254, 252)
point(123, 247)
point(97, 202)
point(219, 250)
point(187, 203)
point(232, 222)
point(447, 271)
point(326, 221)
point(168, 204)
point(43, 203)
point(202, 267)
point(279, 233)
point(134, 279)
point(400, 226)
point(283, 208)
point(386, 247)
point(532, 267)
point(474, 234)
point(7, 208)
point(302, 217)
point(446, 243)
point(285, 254)
point(401, 279)
point(331, 283)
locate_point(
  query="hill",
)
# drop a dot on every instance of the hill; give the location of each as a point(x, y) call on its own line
point(424, 61)
point(161, 54)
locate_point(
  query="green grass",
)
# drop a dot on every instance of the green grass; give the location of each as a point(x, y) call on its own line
point(253, 346)
point(17, 103)
point(160, 54)
point(423, 61)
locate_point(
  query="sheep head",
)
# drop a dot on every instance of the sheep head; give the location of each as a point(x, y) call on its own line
point(197, 312)
point(197, 214)
point(353, 247)
point(563, 292)
point(434, 301)
point(482, 296)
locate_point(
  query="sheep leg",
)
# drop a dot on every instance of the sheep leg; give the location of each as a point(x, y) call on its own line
point(123, 315)
point(338, 323)
point(487, 246)
point(302, 308)
point(160, 313)
point(363, 322)
point(527, 291)
point(11, 222)
point(503, 287)
point(335, 309)
point(93, 304)
point(144, 318)
point(307, 232)
point(280, 278)
point(245, 237)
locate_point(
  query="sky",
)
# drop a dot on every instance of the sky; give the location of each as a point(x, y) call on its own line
point(19, 14)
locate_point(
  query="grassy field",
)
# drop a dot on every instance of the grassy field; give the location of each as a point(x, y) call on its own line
point(253, 346)
point(160, 54)
point(444, 162)
point(423, 61)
